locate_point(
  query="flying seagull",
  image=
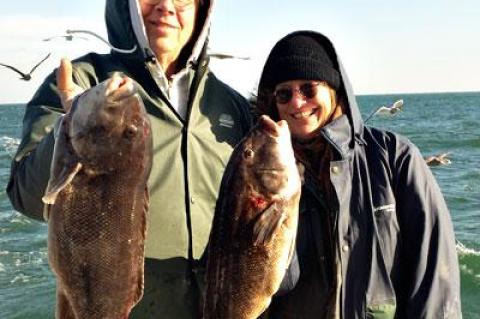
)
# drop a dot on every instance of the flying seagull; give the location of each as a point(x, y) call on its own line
point(437, 160)
point(88, 32)
point(67, 37)
point(388, 110)
point(26, 76)
point(227, 56)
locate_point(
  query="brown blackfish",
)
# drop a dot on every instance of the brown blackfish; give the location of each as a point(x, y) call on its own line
point(255, 224)
point(97, 201)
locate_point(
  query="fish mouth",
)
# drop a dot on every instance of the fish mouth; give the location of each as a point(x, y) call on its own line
point(119, 89)
point(269, 169)
point(270, 126)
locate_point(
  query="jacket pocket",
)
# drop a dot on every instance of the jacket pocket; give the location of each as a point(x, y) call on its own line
point(387, 233)
point(381, 297)
point(382, 311)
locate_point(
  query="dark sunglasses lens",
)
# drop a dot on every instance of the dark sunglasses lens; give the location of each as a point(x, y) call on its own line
point(282, 96)
point(308, 90)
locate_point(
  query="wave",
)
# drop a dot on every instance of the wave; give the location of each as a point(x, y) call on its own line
point(469, 261)
point(9, 144)
point(463, 250)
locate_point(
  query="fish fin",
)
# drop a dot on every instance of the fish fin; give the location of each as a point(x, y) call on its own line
point(267, 223)
point(46, 211)
point(65, 164)
point(58, 182)
point(301, 171)
point(291, 252)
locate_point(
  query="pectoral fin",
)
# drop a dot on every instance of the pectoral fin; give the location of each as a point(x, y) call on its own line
point(55, 186)
point(59, 183)
point(267, 223)
point(64, 167)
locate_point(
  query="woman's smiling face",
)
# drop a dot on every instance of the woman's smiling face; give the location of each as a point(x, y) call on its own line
point(305, 105)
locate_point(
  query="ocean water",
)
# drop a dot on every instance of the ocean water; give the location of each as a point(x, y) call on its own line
point(436, 123)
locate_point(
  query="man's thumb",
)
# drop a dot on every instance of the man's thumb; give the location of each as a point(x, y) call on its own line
point(64, 76)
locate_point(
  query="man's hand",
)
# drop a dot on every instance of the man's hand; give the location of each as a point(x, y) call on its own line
point(67, 89)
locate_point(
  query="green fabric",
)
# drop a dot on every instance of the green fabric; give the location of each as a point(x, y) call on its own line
point(208, 144)
point(381, 311)
point(170, 291)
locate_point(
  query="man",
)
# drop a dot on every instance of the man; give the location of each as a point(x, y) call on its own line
point(196, 121)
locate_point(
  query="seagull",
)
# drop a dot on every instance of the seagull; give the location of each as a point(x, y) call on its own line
point(67, 37)
point(438, 160)
point(126, 51)
point(26, 76)
point(388, 110)
point(223, 56)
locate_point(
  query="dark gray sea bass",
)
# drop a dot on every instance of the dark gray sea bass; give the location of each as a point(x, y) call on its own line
point(97, 201)
point(255, 224)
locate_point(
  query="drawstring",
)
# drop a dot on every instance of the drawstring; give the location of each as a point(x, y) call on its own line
point(102, 39)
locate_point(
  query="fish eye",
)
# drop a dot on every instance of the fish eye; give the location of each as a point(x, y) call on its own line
point(130, 131)
point(248, 153)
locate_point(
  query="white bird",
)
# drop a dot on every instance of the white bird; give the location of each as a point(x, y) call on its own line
point(437, 160)
point(91, 33)
point(227, 56)
point(67, 37)
point(388, 110)
point(25, 76)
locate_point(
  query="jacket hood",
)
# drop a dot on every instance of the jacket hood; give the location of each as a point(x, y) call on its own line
point(351, 108)
point(126, 29)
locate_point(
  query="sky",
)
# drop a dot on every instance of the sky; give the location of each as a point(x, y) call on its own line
point(385, 46)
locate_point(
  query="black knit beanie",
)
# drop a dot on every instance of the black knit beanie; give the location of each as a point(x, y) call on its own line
point(299, 56)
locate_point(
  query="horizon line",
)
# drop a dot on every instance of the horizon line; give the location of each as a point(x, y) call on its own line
point(356, 94)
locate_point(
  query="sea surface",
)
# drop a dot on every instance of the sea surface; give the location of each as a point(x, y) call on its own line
point(436, 123)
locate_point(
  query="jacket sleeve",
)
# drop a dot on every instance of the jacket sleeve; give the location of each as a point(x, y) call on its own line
point(431, 282)
point(30, 168)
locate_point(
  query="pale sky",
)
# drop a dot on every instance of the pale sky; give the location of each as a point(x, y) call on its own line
point(386, 46)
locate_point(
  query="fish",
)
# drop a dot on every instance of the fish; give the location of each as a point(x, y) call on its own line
point(255, 224)
point(96, 202)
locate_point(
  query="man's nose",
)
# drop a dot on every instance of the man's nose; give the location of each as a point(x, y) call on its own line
point(165, 5)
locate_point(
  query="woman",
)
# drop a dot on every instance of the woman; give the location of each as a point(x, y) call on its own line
point(375, 239)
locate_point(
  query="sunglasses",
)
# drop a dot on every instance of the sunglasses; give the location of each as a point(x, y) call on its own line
point(306, 90)
point(179, 4)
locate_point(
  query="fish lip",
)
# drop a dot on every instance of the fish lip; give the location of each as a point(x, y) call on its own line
point(269, 169)
point(269, 126)
point(116, 99)
point(272, 171)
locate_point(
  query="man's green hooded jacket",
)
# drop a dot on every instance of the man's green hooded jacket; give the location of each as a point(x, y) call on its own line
point(189, 154)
